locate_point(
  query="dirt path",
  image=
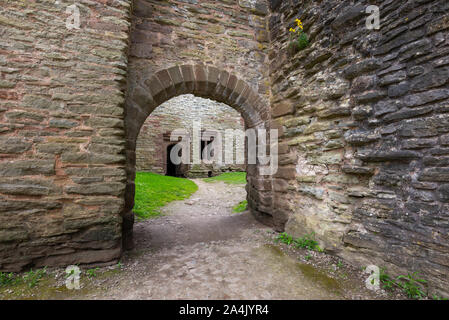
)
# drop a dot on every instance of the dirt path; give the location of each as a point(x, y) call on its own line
point(199, 249)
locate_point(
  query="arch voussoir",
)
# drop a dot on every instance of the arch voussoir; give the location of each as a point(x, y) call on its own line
point(201, 88)
point(189, 77)
point(241, 99)
point(238, 90)
point(230, 86)
point(177, 79)
point(223, 79)
point(212, 79)
point(156, 89)
point(167, 84)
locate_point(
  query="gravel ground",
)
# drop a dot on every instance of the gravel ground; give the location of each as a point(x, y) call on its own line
point(199, 249)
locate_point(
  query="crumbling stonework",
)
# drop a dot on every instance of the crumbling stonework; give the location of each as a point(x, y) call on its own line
point(180, 113)
point(62, 167)
point(362, 116)
point(212, 49)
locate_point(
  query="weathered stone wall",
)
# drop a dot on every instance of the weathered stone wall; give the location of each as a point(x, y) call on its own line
point(362, 114)
point(229, 35)
point(364, 123)
point(61, 132)
point(212, 49)
point(180, 113)
point(68, 133)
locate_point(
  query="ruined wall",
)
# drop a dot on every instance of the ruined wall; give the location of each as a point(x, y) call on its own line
point(61, 132)
point(229, 35)
point(67, 129)
point(364, 122)
point(363, 118)
point(180, 113)
point(212, 49)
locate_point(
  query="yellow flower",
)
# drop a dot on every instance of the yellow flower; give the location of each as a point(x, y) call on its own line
point(292, 30)
point(299, 23)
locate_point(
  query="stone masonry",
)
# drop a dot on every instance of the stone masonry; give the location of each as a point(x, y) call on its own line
point(364, 121)
point(180, 113)
point(362, 117)
point(212, 49)
point(62, 169)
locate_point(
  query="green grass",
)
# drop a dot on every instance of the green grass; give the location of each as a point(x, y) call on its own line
point(7, 279)
point(229, 177)
point(410, 284)
point(240, 207)
point(92, 273)
point(306, 242)
point(30, 278)
point(153, 191)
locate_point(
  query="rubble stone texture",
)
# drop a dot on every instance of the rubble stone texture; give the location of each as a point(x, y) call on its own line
point(362, 114)
point(364, 120)
point(181, 113)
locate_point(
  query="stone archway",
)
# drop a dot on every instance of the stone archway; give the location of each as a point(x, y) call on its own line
point(207, 82)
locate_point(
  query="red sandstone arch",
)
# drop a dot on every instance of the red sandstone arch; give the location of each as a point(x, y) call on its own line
point(207, 82)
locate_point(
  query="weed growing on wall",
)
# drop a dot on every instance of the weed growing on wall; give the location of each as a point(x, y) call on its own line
point(300, 40)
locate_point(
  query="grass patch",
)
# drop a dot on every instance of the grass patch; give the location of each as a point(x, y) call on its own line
point(153, 191)
point(240, 207)
point(7, 279)
point(92, 273)
point(229, 178)
point(410, 284)
point(307, 242)
point(30, 278)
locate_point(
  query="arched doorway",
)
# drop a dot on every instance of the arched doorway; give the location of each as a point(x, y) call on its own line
point(203, 81)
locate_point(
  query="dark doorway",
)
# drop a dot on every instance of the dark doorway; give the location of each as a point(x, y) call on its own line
point(172, 169)
point(203, 146)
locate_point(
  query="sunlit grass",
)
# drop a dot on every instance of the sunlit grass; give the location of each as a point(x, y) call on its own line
point(153, 191)
point(240, 207)
point(229, 177)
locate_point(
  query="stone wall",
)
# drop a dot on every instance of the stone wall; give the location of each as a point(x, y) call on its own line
point(69, 120)
point(62, 162)
point(229, 35)
point(212, 49)
point(364, 122)
point(180, 113)
point(362, 116)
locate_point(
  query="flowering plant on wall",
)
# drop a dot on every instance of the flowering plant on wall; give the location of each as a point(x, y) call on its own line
point(301, 40)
